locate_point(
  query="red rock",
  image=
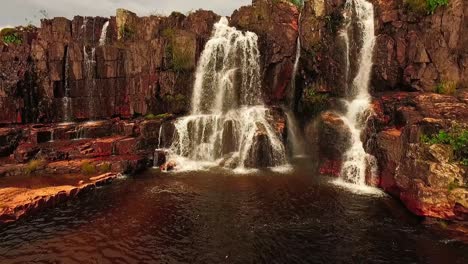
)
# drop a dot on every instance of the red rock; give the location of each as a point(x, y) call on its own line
point(126, 146)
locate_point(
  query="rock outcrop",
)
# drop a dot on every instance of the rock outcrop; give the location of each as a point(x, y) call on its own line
point(425, 176)
point(138, 66)
point(418, 52)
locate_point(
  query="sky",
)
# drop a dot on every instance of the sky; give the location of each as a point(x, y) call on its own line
point(21, 12)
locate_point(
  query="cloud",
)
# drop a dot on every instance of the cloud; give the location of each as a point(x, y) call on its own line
point(25, 11)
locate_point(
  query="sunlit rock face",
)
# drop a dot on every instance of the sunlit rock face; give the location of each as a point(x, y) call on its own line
point(428, 178)
point(94, 67)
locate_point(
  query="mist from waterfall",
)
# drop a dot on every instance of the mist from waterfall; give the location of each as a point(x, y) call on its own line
point(228, 114)
point(357, 163)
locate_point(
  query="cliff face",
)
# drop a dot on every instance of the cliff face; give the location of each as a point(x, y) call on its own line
point(143, 65)
point(419, 88)
point(416, 52)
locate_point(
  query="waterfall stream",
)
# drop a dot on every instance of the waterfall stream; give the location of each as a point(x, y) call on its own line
point(357, 163)
point(229, 125)
point(90, 65)
point(295, 138)
point(103, 38)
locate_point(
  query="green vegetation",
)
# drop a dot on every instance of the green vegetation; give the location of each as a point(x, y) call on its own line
point(457, 138)
point(298, 3)
point(88, 168)
point(105, 167)
point(425, 6)
point(34, 165)
point(168, 33)
point(182, 56)
point(153, 117)
point(11, 36)
point(453, 185)
point(312, 102)
point(126, 31)
point(446, 87)
point(181, 59)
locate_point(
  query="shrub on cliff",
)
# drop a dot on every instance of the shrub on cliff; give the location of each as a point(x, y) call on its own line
point(11, 36)
point(33, 166)
point(88, 168)
point(456, 137)
point(446, 87)
point(426, 6)
point(298, 3)
point(312, 102)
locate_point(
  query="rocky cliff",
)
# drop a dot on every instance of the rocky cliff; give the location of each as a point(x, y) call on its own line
point(419, 87)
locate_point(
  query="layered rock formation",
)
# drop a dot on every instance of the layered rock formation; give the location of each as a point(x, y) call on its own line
point(416, 56)
point(140, 66)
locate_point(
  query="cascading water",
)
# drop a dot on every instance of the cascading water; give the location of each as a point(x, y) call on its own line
point(90, 65)
point(228, 125)
point(356, 161)
point(294, 133)
point(103, 38)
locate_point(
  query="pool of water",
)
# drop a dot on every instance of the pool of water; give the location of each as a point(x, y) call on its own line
point(218, 217)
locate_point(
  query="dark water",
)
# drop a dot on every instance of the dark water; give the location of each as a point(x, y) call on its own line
point(220, 218)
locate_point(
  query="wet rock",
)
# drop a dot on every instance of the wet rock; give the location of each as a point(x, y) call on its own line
point(9, 140)
point(333, 135)
point(169, 166)
point(261, 153)
point(229, 143)
point(160, 158)
point(21, 202)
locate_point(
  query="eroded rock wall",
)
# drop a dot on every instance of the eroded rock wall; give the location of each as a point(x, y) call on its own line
point(145, 66)
point(416, 51)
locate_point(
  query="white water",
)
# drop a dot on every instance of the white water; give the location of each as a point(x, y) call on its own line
point(295, 138)
point(90, 65)
point(356, 161)
point(227, 107)
point(103, 38)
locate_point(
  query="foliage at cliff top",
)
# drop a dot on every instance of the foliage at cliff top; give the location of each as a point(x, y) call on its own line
point(298, 3)
point(11, 36)
point(457, 138)
point(426, 6)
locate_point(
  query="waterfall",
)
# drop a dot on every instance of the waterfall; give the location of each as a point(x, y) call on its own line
point(228, 125)
point(66, 100)
point(295, 138)
point(90, 65)
point(160, 135)
point(356, 161)
point(103, 38)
